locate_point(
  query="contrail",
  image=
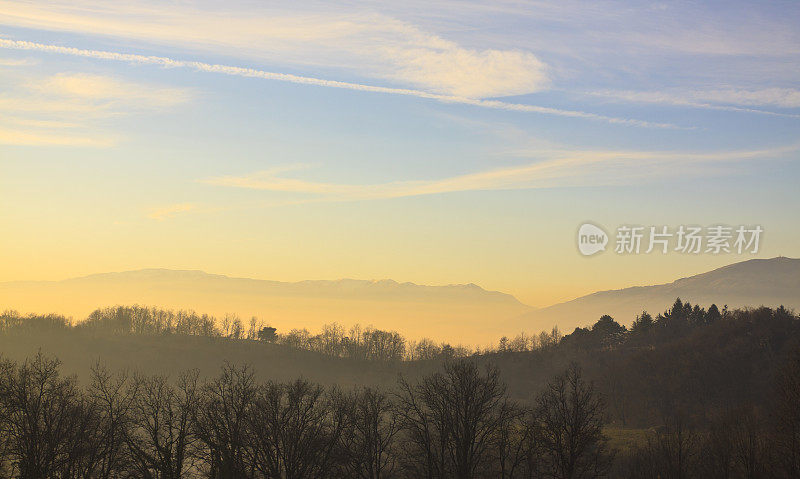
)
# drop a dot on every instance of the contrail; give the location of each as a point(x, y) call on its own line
point(285, 77)
point(693, 104)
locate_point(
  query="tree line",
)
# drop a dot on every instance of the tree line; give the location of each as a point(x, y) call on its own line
point(357, 342)
point(692, 392)
point(368, 343)
point(458, 422)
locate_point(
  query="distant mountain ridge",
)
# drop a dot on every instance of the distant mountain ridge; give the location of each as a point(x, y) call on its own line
point(756, 282)
point(456, 312)
point(375, 289)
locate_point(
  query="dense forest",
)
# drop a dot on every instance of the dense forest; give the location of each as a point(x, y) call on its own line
point(691, 392)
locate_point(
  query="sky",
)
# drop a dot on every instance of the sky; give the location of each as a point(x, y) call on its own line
point(453, 142)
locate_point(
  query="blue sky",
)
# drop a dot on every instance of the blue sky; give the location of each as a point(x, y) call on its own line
point(497, 128)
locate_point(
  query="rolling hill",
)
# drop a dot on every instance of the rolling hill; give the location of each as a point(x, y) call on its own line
point(757, 282)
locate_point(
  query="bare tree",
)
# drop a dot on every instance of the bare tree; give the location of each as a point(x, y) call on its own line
point(220, 422)
point(374, 440)
point(451, 420)
point(7, 372)
point(253, 328)
point(718, 449)
point(572, 414)
point(296, 430)
point(516, 445)
point(787, 419)
point(749, 449)
point(162, 442)
point(111, 398)
point(45, 421)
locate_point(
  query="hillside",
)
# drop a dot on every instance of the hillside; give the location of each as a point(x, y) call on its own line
point(757, 282)
point(732, 360)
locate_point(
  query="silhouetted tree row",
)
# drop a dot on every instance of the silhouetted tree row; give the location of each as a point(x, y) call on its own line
point(701, 363)
point(368, 343)
point(364, 343)
point(455, 423)
point(713, 385)
point(676, 322)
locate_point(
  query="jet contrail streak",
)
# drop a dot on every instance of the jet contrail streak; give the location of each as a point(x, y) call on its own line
point(286, 77)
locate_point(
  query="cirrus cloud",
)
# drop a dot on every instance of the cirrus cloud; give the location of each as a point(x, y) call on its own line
point(304, 80)
point(367, 44)
point(37, 109)
point(556, 168)
point(109, 92)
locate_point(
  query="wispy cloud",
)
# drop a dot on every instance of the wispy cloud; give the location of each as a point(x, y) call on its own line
point(167, 212)
point(730, 99)
point(561, 168)
point(34, 107)
point(471, 48)
point(285, 77)
point(89, 94)
point(113, 92)
point(366, 42)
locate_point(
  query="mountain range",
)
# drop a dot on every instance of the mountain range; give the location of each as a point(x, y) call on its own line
point(456, 313)
point(757, 282)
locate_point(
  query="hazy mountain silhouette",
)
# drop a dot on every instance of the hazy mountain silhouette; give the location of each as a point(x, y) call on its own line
point(757, 282)
point(458, 312)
